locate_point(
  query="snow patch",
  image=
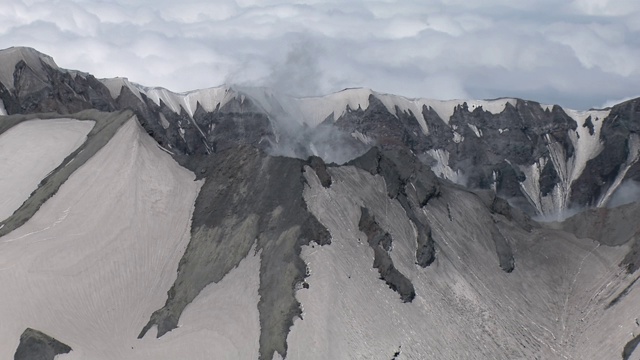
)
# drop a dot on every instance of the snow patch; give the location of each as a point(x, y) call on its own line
point(3, 111)
point(441, 166)
point(209, 99)
point(632, 158)
point(410, 106)
point(446, 108)
point(493, 106)
point(115, 86)
point(163, 121)
point(586, 147)
point(475, 130)
point(316, 109)
point(531, 185)
point(547, 107)
point(29, 151)
point(362, 137)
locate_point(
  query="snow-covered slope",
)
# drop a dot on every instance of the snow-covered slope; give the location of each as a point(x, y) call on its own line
point(100, 255)
point(29, 151)
point(209, 99)
point(115, 86)
point(553, 306)
point(586, 144)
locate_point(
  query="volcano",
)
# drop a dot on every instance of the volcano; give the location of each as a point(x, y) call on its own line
point(240, 223)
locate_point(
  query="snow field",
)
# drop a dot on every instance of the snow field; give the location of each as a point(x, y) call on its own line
point(29, 151)
point(98, 258)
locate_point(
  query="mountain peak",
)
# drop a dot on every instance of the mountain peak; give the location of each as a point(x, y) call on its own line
point(11, 56)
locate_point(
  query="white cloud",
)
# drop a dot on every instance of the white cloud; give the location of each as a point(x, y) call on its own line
point(579, 53)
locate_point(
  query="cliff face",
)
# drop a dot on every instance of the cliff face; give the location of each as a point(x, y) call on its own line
point(544, 159)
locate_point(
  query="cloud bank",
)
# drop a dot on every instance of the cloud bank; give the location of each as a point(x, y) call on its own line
point(580, 53)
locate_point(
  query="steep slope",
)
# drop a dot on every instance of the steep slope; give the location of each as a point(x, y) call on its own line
point(106, 125)
point(553, 305)
point(30, 151)
point(92, 264)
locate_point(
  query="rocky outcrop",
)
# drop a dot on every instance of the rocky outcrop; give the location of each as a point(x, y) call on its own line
point(35, 345)
point(412, 184)
point(543, 159)
point(248, 198)
point(380, 241)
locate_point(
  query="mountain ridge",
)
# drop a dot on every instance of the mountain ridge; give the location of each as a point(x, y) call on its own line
point(548, 160)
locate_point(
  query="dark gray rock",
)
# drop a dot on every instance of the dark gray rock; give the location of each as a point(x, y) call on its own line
point(54, 90)
point(631, 261)
point(500, 206)
point(248, 198)
point(503, 250)
point(380, 242)
point(318, 165)
point(35, 345)
point(609, 226)
point(630, 347)
point(412, 184)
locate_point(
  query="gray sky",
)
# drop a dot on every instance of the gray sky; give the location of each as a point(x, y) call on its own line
point(580, 53)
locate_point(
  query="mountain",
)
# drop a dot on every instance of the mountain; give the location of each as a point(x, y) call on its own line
point(237, 222)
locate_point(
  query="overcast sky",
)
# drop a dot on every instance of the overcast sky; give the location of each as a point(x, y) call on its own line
point(580, 53)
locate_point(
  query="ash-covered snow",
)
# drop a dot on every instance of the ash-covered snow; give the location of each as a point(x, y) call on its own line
point(115, 86)
point(413, 106)
point(362, 138)
point(97, 259)
point(475, 130)
point(441, 166)
point(209, 98)
point(221, 323)
point(31, 150)
point(446, 108)
point(163, 121)
point(546, 107)
point(632, 158)
point(552, 205)
point(465, 306)
point(587, 145)
point(316, 109)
